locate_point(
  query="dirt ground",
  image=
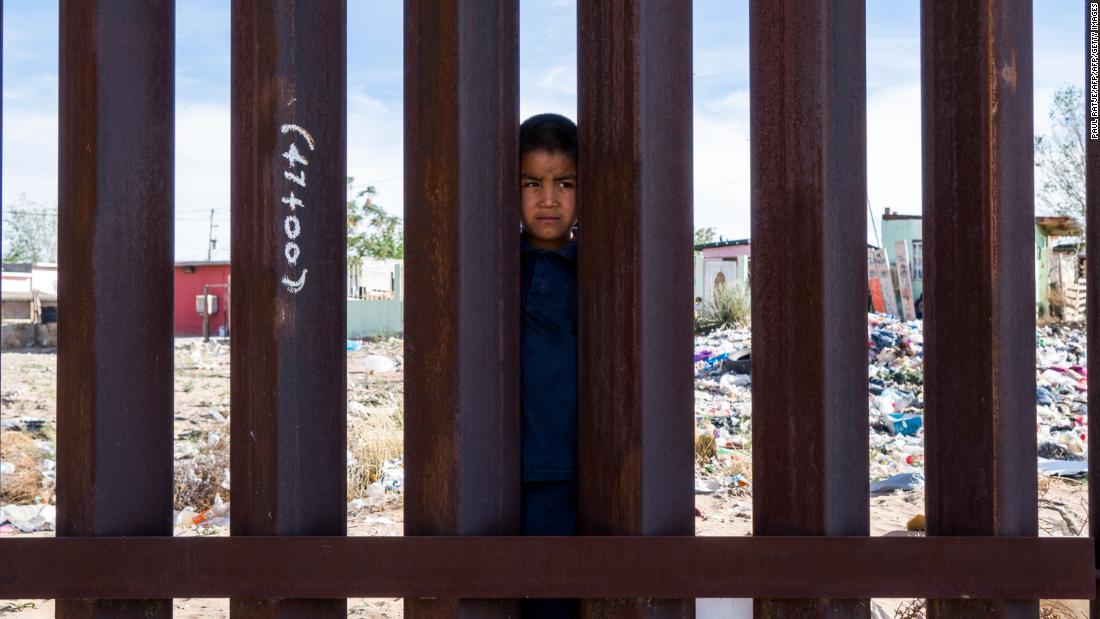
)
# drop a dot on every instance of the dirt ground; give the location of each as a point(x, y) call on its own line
point(28, 392)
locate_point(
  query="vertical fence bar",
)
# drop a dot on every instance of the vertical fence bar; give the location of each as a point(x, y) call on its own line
point(462, 310)
point(634, 272)
point(979, 277)
point(289, 191)
point(809, 285)
point(115, 352)
point(1092, 254)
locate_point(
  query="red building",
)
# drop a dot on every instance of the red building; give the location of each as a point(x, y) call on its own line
point(190, 279)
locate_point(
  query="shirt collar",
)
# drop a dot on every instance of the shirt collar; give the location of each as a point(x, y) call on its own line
point(567, 251)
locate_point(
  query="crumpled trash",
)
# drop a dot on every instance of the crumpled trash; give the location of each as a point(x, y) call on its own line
point(216, 516)
point(392, 479)
point(1063, 468)
point(23, 424)
point(354, 345)
point(906, 424)
point(29, 518)
point(378, 364)
point(901, 481)
point(707, 486)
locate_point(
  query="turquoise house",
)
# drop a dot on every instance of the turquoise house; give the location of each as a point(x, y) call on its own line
point(1048, 232)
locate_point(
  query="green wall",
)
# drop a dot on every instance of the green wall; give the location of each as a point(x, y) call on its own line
point(910, 230)
point(906, 230)
point(1042, 273)
point(372, 318)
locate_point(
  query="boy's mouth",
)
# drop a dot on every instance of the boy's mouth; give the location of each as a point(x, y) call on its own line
point(547, 219)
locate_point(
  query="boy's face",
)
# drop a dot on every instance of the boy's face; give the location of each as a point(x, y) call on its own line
point(548, 197)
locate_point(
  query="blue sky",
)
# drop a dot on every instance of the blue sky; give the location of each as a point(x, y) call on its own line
point(548, 83)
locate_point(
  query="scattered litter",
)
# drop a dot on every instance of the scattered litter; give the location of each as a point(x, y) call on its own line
point(1063, 468)
point(354, 345)
point(378, 364)
point(29, 518)
point(895, 401)
point(906, 424)
point(707, 486)
point(901, 481)
point(23, 424)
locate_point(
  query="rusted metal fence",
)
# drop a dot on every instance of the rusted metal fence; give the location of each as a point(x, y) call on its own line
point(288, 554)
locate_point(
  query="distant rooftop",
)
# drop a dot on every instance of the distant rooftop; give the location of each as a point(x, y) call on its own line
point(721, 243)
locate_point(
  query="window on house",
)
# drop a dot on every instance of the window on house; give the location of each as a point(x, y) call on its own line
point(917, 261)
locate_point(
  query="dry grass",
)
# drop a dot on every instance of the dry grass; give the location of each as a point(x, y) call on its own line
point(913, 609)
point(372, 439)
point(739, 463)
point(1056, 517)
point(706, 449)
point(1053, 609)
point(201, 477)
point(1048, 609)
point(27, 483)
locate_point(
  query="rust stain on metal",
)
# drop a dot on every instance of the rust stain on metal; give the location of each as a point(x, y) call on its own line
point(1008, 73)
point(115, 189)
point(462, 431)
point(622, 567)
point(809, 257)
point(978, 227)
point(288, 188)
point(634, 277)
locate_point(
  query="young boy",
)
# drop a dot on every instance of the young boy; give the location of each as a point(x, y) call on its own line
point(548, 210)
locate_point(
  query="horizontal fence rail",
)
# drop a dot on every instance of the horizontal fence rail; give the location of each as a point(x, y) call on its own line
point(592, 567)
point(289, 555)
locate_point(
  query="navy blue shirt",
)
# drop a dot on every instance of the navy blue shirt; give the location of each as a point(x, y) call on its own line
point(549, 362)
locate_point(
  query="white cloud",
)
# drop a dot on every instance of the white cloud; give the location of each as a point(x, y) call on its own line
point(202, 178)
point(376, 149)
point(894, 150)
point(30, 153)
point(721, 164)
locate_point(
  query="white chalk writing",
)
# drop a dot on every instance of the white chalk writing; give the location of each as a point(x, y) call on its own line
point(292, 225)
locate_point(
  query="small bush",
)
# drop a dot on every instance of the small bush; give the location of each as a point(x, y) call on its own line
point(729, 308)
point(372, 439)
point(203, 475)
point(27, 483)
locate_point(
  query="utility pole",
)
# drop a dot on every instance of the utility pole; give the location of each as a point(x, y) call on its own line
point(210, 244)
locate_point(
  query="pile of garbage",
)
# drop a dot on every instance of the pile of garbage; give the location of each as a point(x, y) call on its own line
point(895, 398)
point(723, 411)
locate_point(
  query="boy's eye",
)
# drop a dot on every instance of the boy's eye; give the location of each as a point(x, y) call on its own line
point(566, 184)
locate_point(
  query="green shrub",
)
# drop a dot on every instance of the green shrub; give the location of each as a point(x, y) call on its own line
point(729, 308)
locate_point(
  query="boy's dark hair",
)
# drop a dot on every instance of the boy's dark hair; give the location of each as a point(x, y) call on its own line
point(552, 133)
